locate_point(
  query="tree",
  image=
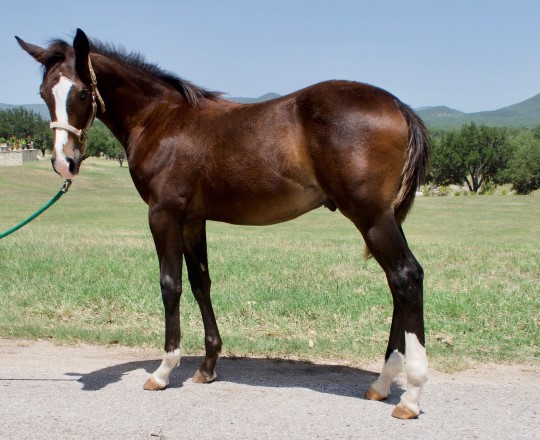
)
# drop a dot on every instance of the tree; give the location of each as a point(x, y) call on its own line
point(116, 151)
point(524, 168)
point(101, 143)
point(25, 125)
point(43, 140)
point(98, 140)
point(475, 154)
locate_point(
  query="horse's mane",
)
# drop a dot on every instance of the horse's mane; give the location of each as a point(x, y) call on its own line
point(191, 92)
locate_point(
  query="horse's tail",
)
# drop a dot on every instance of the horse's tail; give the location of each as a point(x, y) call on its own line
point(417, 161)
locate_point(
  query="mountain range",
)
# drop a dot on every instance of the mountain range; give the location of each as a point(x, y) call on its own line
point(523, 114)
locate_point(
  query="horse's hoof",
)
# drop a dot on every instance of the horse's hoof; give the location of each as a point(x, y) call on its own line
point(200, 377)
point(401, 412)
point(152, 385)
point(372, 394)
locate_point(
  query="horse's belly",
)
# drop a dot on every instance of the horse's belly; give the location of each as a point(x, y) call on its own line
point(268, 208)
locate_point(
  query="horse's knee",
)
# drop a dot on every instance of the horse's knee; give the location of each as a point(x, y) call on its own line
point(170, 284)
point(171, 289)
point(406, 282)
point(213, 344)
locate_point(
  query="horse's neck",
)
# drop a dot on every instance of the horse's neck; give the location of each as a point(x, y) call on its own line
point(124, 98)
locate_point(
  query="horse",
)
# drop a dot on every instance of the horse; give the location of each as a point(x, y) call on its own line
point(195, 156)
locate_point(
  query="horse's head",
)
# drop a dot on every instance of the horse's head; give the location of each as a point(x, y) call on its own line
point(70, 92)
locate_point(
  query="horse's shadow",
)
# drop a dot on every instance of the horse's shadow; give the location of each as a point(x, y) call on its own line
point(330, 379)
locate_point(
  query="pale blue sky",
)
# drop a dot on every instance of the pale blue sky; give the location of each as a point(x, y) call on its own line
point(470, 55)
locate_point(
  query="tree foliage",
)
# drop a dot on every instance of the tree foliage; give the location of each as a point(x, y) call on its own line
point(524, 167)
point(101, 143)
point(475, 155)
point(23, 125)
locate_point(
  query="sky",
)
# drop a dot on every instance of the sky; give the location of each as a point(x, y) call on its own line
point(471, 55)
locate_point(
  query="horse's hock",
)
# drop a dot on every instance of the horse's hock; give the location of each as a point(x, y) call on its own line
point(17, 157)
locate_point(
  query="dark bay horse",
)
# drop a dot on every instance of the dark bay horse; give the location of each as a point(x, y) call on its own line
point(195, 156)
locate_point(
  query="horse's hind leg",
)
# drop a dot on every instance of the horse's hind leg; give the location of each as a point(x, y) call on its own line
point(406, 344)
point(195, 254)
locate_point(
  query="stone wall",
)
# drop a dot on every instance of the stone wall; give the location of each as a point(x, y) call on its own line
point(18, 157)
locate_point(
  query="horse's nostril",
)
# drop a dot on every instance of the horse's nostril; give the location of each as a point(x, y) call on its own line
point(72, 166)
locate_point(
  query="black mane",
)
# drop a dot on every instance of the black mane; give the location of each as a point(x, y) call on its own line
point(191, 92)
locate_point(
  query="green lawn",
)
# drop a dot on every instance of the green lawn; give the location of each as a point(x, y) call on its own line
point(86, 271)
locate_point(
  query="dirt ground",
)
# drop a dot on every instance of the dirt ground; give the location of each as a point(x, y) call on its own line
point(50, 391)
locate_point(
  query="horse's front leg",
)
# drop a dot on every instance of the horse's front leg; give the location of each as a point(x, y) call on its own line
point(199, 278)
point(168, 238)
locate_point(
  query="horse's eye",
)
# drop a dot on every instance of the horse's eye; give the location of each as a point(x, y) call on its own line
point(83, 95)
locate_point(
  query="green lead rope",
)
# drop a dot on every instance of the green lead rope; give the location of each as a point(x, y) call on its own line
point(63, 190)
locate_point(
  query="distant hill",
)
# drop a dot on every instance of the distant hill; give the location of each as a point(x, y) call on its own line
point(523, 114)
point(266, 97)
point(40, 109)
point(440, 111)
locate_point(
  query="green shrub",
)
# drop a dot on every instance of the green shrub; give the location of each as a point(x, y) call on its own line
point(443, 191)
point(488, 188)
point(426, 190)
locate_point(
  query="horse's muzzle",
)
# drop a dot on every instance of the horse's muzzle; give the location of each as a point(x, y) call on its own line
point(66, 169)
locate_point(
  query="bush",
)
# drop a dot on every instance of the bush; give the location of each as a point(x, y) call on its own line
point(444, 191)
point(426, 190)
point(488, 188)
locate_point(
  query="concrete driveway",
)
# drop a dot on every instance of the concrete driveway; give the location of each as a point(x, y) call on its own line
point(49, 391)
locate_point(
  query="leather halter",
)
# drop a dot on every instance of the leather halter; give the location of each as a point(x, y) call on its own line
point(81, 133)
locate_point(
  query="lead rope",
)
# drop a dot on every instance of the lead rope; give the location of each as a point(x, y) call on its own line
point(63, 190)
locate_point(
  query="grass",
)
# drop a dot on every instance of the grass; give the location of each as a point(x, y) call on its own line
point(86, 271)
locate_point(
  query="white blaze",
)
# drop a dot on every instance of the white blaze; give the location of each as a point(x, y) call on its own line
point(61, 92)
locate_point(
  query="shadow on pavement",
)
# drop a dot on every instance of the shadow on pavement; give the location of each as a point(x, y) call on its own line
point(329, 379)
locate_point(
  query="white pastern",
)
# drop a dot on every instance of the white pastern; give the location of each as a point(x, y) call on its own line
point(416, 368)
point(392, 367)
point(61, 92)
point(171, 359)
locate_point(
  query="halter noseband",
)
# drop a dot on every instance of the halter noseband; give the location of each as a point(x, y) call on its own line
point(81, 133)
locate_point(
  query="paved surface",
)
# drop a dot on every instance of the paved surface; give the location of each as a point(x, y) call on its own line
point(87, 392)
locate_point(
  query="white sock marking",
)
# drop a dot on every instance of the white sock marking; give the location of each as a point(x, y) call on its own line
point(392, 367)
point(171, 359)
point(416, 368)
point(61, 92)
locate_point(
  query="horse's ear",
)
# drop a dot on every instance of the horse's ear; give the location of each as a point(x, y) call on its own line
point(38, 53)
point(81, 45)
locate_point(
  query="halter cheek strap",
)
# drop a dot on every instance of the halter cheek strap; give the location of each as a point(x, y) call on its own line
point(81, 133)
